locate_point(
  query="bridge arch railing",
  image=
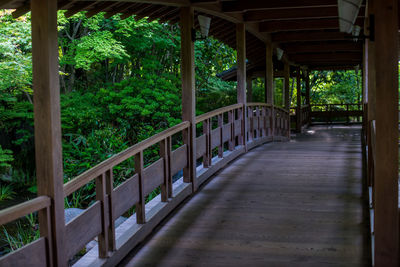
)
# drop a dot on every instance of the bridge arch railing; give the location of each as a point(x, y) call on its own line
point(223, 135)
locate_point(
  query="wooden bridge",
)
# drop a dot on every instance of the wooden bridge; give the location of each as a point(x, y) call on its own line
point(259, 212)
point(294, 203)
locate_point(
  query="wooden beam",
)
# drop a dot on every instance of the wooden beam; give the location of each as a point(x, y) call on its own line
point(241, 62)
point(100, 8)
point(188, 91)
point(241, 78)
point(307, 82)
point(292, 13)
point(332, 67)
point(286, 85)
point(21, 11)
point(48, 149)
point(249, 85)
point(269, 75)
point(286, 37)
point(286, 92)
point(298, 106)
point(322, 57)
point(156, 14)
point(387, 134)
point(118, 9)
point(244, 5)
point(77, 7)
point(5, 3)
point(340, 46)
point(299, 24)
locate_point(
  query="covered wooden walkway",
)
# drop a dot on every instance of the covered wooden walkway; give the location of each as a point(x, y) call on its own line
point(297, 203)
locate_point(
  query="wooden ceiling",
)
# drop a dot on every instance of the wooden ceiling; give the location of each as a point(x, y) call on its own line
point(307, 30)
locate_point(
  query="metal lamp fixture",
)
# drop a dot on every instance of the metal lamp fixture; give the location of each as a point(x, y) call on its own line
point(204, 23)
point(279, 53)
point(348, 12)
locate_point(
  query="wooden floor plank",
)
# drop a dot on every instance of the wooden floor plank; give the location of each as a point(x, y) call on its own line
point(282, 204)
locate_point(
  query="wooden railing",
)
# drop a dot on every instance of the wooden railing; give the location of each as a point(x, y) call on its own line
point(331, 112)
point(305, 116)
point(226, 133)
point(326, 113)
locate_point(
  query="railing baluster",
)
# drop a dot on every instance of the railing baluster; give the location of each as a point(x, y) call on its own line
point(111, 226)
point(241, 119)
point(221, 126)
point(231, 120)
point(186, 171)
point(169, 151)
point(206, 130)
point(164, 156)
point(258, 121)
point(45, 231)
point(102, 197)
point(140, 206)
point(251, 119)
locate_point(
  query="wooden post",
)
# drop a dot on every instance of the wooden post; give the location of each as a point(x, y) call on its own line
point(269, 83)
point(386, 117)
point(49, 163)
point(249, 84)
point(286, 82)
point(188, 91)
point(308, 102)
point(369, 89)
point(298, 108)
point(241, 78)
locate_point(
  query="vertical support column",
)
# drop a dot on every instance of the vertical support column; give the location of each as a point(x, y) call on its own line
point(188, 91)
point(386, 117)
point(286, 89)
point(48, 149)
point(249, 84)
point(298, 108)
point(269, 83)
point(241, 79)
point(308, 103)
point(370, 88)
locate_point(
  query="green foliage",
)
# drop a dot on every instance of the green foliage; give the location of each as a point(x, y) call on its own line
point(5, 158)
point(25, 232)
point(15, 55)
point(96, 48)
point(335, 87)
point(6, 192)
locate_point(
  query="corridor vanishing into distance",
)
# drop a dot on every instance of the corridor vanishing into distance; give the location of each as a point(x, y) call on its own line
point(296, 203)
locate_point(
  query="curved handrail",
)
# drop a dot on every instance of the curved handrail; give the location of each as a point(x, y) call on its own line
point(234, 132)
point(217, 112)
point(84, 178)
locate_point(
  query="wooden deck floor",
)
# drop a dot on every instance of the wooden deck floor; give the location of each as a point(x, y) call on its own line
point(282, 204)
